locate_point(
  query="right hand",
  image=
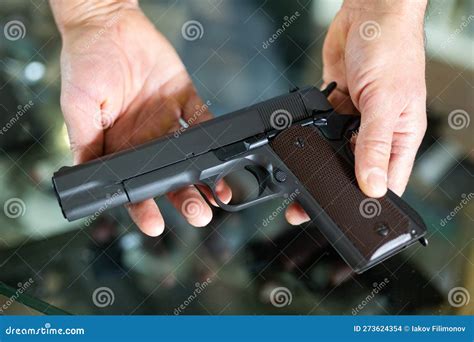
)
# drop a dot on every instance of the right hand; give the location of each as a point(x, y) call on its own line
point(374, 50)
point(123, 84)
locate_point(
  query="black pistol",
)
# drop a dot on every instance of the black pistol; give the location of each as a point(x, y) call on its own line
point(293, 144)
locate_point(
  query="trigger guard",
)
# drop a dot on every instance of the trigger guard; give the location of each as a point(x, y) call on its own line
point(211, 182)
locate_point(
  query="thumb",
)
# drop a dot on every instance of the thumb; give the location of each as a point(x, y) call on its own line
point(373, 146)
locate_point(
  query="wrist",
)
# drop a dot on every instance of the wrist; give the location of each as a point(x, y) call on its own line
point(73, 13)
point(410, 8)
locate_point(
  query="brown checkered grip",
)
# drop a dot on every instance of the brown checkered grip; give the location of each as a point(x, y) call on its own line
point(373, 227)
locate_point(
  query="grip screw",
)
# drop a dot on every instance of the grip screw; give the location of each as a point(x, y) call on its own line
point(299, 142)
point(280, 175)
point(382, 229)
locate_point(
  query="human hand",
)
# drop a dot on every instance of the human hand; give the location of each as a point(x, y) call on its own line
point(374, 50)
point(123, 84)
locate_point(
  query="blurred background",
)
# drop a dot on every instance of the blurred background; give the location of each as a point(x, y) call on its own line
point(238, 264)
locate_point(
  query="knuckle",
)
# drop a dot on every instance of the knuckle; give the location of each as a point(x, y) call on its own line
point(373, 147)
point(423, 126)
point(367, 97)
point(408, 151)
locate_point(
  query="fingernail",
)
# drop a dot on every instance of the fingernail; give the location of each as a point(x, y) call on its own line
point(377, 182)
point(159, 230)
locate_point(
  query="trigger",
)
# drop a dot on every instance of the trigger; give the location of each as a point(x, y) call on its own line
point(261, 175)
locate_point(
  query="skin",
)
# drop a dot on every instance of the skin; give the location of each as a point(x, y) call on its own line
point(119, 91)
point(380, 76)
point(137, 88)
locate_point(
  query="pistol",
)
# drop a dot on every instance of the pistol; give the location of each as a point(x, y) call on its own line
point(293, 144)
